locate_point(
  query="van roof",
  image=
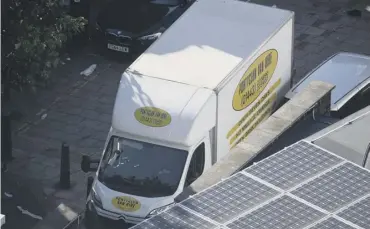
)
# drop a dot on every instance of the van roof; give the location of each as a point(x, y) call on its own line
point(209, 40)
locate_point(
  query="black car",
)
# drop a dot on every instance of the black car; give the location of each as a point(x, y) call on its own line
point(131, 26)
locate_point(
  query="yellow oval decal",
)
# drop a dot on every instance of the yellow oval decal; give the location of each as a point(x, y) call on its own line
point(255, 79)
point(126, 203)
point(152, 116)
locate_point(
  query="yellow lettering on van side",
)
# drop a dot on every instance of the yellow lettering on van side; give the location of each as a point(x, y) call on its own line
point(254, 108)
point(152, 116)
point(264, 116)
point(268, 104)
point(255, 79)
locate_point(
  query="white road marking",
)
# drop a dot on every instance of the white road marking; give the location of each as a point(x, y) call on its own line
point(8, 195)
point(26, 212)
point(88, 71)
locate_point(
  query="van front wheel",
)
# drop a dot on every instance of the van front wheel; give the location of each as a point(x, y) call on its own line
point(90, 219)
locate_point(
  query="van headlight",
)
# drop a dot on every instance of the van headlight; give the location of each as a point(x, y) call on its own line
point(150, 37)
point(159, 210)
point(96, 199)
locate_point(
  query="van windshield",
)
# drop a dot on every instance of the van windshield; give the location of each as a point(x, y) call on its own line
point(140, 168)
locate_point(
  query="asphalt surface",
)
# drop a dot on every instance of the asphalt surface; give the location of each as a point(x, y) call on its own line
point(104, 223)
point(21, 207)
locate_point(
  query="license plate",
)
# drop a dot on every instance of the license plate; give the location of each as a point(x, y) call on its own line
point(118, 48)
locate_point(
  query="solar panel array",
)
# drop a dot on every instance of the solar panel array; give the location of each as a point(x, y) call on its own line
point(302, 186)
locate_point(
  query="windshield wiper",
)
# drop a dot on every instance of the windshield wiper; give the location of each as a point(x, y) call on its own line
point(129, 181)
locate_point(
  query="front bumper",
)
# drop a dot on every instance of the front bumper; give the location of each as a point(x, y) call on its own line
point(97, 217)
point(135, 46)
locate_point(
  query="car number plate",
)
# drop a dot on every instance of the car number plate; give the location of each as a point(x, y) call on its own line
point(118, 48)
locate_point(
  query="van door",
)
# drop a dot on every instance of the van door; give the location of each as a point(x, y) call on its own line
point(201, 160)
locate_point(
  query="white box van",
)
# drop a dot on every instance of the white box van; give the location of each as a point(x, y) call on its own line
point(212, 77)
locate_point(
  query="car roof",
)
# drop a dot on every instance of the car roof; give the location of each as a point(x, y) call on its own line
point(349, 72)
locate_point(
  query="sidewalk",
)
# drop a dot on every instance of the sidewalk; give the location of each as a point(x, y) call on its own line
point(78, 110)
point(323, 28)
point(78, 113)
point(23, 209)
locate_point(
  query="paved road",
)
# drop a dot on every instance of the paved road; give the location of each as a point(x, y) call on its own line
point(21, 207)
point(105, 224)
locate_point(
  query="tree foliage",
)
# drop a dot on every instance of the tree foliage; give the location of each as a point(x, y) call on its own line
point(33, 35)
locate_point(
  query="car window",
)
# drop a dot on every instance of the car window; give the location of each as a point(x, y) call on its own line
point(345, 71)
point(108, 151)
point(356, 103)
point(366, 90)
point(196, 166)
point(167, 2)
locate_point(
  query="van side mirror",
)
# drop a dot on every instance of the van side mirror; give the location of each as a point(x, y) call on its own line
point(89, 165)
point(117, 152)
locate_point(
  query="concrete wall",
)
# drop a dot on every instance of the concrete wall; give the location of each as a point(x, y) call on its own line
point(315, 96)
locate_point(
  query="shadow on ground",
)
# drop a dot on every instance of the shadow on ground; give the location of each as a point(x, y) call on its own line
point(22, 202)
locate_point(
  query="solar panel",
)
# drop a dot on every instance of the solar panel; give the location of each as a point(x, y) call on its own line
point(230, 198)
point(302, 186)
point(293, 165)
point(176, 217)
point(284, 212)
point(337, 188)
point(331, 223)
point(358, 214)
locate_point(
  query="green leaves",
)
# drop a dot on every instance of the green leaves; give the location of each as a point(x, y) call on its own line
point(33, 34)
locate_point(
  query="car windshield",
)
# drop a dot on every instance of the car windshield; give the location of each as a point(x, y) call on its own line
point(133, 16)
point(140, 168)
point(167, 2)
point(345, 71)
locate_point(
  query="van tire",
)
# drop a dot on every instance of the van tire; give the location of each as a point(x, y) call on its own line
point(88, 219)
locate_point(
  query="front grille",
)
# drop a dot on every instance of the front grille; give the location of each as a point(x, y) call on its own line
point(120, 39)
point(118, 217)
point(124, 40)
